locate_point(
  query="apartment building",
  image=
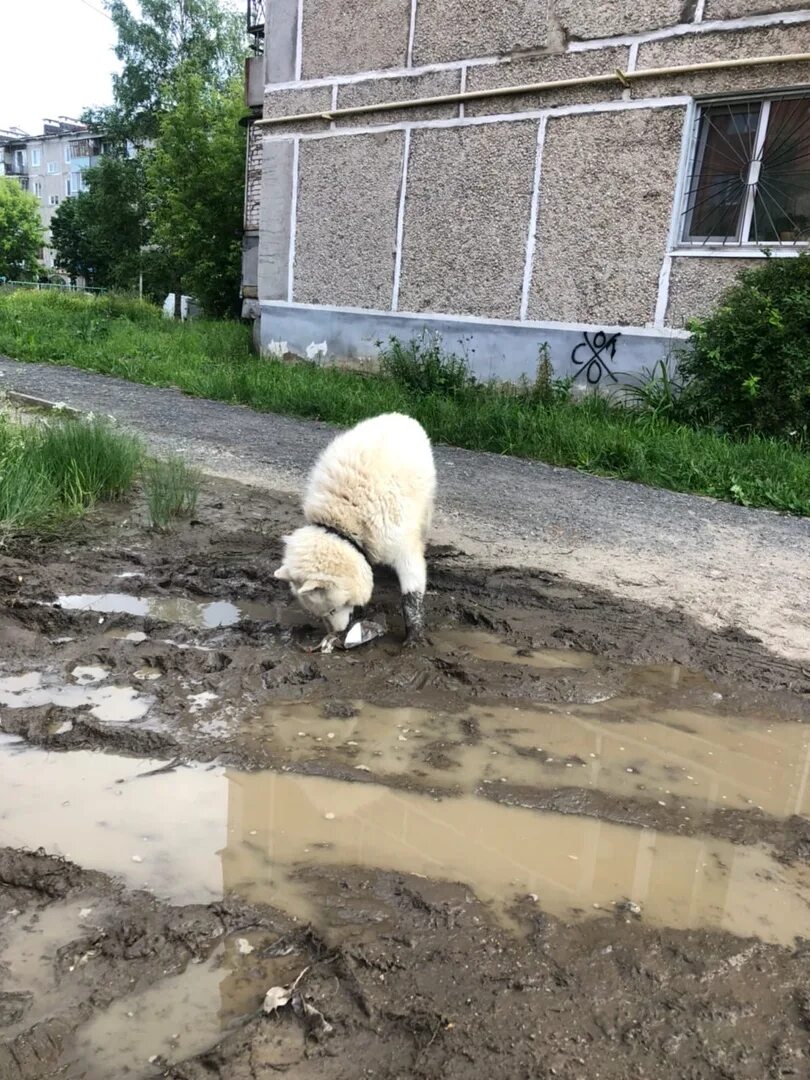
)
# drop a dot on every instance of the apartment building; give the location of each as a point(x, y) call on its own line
point(585, 174)
point(51, 165)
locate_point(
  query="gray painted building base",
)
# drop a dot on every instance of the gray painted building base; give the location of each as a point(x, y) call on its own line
point(593, 356)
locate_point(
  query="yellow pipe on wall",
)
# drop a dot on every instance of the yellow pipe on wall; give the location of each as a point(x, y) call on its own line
point(623, 78)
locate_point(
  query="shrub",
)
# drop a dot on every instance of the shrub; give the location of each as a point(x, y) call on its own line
point(421, 366)
point(747, 366)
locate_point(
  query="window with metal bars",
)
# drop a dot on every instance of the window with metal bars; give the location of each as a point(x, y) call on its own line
point(749, 182)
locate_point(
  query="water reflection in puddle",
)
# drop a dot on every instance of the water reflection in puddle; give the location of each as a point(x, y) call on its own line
point(488, 648)
point(247, 833)
point(627, 747)
point(198, 614)
point(111, 704)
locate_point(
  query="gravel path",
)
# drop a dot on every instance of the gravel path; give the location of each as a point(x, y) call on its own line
point(724, 565)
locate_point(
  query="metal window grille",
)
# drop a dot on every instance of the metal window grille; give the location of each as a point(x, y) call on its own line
point(750, 176)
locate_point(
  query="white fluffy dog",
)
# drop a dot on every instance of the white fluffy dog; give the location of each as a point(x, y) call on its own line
point(369, 500)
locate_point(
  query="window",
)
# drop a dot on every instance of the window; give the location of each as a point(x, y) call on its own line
point(19, 161)
point(53, 200)
point(38, 188)
point(36, 157)
point(67, 152)
point(68, 187)
point(53, 167)
point(750, 177)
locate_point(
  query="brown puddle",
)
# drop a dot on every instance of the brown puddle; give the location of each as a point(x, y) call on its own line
point(110, 704)
point(624, 746)
point(247, 833)
point(488, 648)
point(198, 614)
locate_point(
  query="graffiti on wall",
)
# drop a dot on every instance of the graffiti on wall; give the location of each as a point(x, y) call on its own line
point(594, 356)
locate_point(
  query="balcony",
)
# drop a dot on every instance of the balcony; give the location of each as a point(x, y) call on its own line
point(255, 24)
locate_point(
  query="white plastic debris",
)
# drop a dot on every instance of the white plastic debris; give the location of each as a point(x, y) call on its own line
point(362, 632)
point(243, 946)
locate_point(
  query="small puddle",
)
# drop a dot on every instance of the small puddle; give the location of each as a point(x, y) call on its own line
point(626, 747)
point(488, 648)
point(248, 833)
point(198, 614)
point(110, 704)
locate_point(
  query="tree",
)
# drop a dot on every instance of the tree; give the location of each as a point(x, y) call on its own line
point(198, 35)
point(21, 231)
point(196, 178)
point(103, 234)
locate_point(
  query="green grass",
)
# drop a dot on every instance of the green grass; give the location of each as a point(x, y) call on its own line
point(172, 489)
point(55, 470)
point(122, 337)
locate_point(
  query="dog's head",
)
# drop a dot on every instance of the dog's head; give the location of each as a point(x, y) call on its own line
point(326, 576)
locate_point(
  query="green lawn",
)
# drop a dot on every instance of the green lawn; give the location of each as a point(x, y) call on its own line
point(122, 337)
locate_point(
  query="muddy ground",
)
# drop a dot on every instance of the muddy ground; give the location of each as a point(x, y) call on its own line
point(529, 683)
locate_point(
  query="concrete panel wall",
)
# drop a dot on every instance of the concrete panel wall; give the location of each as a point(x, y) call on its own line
point(253, 179)
point(278, 162)
point(584, 19)
point(696, 286)
point(348, 197)
point(377, 91)
point(344, 36)
point(534, 69)
point(456, 29)
point(605, 209)
point(466, 219)
point(734, 9)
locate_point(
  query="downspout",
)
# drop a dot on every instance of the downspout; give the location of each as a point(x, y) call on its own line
point(623, 78)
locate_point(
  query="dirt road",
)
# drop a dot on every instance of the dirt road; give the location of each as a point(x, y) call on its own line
point(568, 838)
point(723, 565)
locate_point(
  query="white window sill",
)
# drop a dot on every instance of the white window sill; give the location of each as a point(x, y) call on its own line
point(739, 251)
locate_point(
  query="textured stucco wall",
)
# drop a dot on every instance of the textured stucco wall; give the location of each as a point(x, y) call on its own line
point(733, 9)
point(274, 219)
point(534, 69)
point(348, 196)
point(726, 45)
point(457, 29)
point(345, 36)
point(605, 208)
point(466, 218)
point(583, 19)
point(376, 91)
point(696, 284)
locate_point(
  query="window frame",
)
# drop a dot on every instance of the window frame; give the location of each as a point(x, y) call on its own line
point(739, 246)
point(36, 157)
point(52, 168)
point(53, 200)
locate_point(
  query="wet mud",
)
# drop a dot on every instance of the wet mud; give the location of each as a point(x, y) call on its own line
point(568, 836)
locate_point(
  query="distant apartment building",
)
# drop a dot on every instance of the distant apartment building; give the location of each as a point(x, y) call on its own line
point(50, 166)
point(587, 175)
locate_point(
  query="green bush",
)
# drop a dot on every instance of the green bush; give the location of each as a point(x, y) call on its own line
point(421, 366)
point(747, 366)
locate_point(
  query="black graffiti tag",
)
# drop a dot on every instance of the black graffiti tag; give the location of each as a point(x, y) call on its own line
point(600, 348)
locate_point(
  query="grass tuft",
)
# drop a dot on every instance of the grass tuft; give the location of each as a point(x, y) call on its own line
point(172, 489)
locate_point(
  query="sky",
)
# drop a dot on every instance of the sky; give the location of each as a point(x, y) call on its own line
point(55, 59)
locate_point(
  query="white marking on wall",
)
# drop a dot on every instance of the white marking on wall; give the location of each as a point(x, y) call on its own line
point(531, 236)
point(462, 88)
point(315, 349)
point(700, 8)
point(411, 33)
point(277, 348)
point(498, 118)
point(299, 42)
point(434, 316)
point(748, 22)
point(293, 221)
point(406, 151)
point(663, 292)
point(681, 185)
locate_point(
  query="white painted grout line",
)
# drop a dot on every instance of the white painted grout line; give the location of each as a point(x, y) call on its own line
point(662, 302)
point(293, 222)
point(531, 236)
point(788, 18)
point(616, 105)
point(462, 89)
point(632, 57)
point(406, 150)
point(472, 320)
point(411, 33)
point(700, 8)
point(299, 42)
point(333, 125)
